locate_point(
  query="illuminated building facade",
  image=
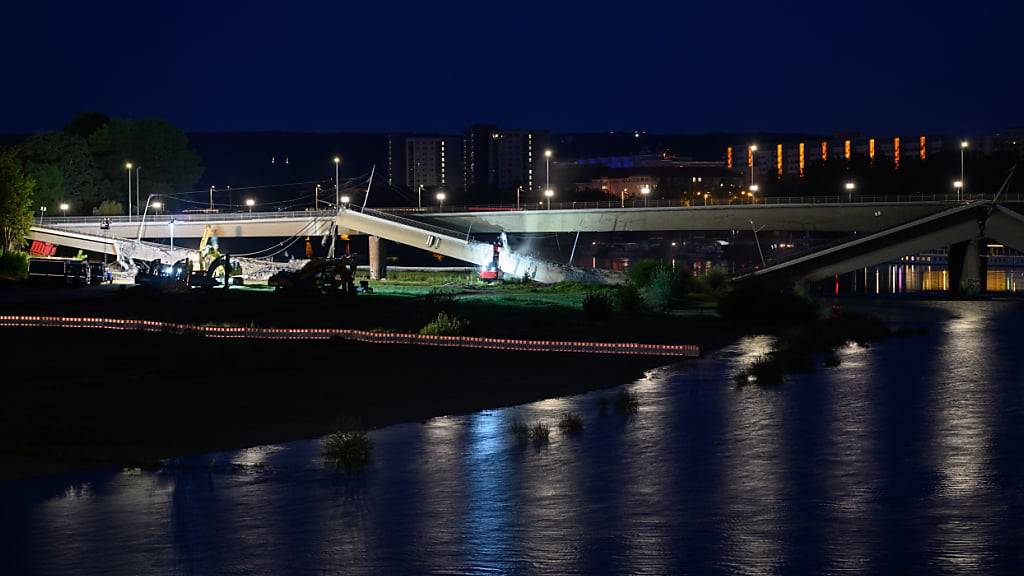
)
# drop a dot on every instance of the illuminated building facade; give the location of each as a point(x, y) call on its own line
point(431, 161)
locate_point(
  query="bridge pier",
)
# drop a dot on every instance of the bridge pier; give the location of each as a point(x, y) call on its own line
point(378, 258)
point(968, 267)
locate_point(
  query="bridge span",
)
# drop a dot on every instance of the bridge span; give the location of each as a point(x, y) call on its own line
point(800, 215)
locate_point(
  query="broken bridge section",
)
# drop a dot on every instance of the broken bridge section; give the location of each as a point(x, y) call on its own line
point(461, 246)
point(963, 230)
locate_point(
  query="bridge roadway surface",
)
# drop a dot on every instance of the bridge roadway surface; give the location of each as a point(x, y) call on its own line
point(813, 214)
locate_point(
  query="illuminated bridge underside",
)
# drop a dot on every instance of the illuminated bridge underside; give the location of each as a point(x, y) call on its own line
point(961, 224)
point(444, 242)
point(787, 217)
point(254, 227)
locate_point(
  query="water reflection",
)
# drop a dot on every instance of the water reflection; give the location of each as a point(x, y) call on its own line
point(904, 459)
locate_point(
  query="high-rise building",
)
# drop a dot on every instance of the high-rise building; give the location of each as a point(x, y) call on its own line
point(499, 162)
point(433, 162)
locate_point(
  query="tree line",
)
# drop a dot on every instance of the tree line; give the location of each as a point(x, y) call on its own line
point(84, 166)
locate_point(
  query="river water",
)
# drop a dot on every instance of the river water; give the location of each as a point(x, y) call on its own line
point(906, 459)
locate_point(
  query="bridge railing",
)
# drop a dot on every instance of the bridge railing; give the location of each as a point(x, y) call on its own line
point(840, 200)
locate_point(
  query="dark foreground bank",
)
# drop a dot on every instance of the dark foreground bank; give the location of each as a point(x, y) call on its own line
point(78, 399)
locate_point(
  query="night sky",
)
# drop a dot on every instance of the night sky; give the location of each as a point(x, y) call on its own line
point(883, 67)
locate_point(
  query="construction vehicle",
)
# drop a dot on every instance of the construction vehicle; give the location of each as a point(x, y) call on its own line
point(181, 277)
point(325, 276)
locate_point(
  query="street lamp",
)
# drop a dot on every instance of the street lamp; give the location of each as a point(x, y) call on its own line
point(42, 212)
point(440, 199)
point(211, 197)
point(250, 203)
point(753, 148)
point(753, 188)
point(622, 200)
point(645, 191)
point(157, 206)
point(64, 208)
point(128, 165)
point(345, 200)
point(548, 194)
point(547, 168)
point(137, 188)
point(337, 185)
point(849, 189)
point(171, 225)
point(419, 196)
point(316, 197)
point(958, 184)
point(963, 146)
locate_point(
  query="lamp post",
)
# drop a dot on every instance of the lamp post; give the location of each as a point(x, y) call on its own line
point(316, 197)
point(137, 187)
point(958, 184)
point(157, 206)
point(440, 199)
point(128, 165)
point(42, 212)
point(337, 185)
point(622, 199)
point(963, 146)
point(547, 169)
point(548, 194)
point(211, 197)
point(171, 225)
point(64, 209)
point(645, 191)
point(753, 149)
point(345, 200)
point(850, 186)
point(519, 191)
point(419, 196)
point(753, 188)
point(250, 203)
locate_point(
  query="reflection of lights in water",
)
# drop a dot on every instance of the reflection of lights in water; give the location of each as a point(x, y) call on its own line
point(753, 469)
point(961, 451)
point(488, 501)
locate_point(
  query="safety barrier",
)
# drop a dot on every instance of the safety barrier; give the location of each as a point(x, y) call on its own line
point(258, 333)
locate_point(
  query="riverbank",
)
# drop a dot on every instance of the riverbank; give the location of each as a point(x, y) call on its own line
point(87, 399)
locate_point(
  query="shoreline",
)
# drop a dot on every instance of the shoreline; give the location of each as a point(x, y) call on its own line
point(254, 394)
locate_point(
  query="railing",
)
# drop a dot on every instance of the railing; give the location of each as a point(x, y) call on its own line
point(838, 201)
point(410, 222)
point(257, 333)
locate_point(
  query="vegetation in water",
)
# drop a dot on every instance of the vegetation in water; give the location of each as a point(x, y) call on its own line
point(348, 449)
point(570, 423)
point(627, 402)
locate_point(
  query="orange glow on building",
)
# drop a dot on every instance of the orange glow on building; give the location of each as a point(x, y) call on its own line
point(778, 159)
point(846, 149)
point(924, 147)
point(871, 148)
point(896, 152)
point(801, 159)
point(728, 157)
point(824, 150)
point(750, 158)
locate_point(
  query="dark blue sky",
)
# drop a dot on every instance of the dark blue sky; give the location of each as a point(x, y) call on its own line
point(883, 67)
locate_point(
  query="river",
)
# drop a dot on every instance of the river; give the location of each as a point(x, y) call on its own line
point(908, 458)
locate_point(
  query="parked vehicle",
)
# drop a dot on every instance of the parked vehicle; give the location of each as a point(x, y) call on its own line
point(64, 270)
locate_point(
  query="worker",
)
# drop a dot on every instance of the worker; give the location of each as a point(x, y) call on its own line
point(497, 252)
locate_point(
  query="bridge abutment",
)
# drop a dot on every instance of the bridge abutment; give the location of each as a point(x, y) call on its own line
point(378, 254)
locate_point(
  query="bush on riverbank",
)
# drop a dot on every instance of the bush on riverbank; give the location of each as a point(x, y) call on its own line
point(627, 402)
point(14, 265)
point(758, 303)
point(445, 325)
point(795, 348)
point(570, 423)
point(597, 306)
point(348, 449)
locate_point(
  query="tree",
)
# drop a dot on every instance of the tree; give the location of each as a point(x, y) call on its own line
point(15, 202)
point(108, 208)
point(85, 123)
point(63, 169)
point(157, 147)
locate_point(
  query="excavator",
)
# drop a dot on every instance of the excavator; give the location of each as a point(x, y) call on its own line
point(324, 276)
point(182, 276)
